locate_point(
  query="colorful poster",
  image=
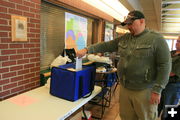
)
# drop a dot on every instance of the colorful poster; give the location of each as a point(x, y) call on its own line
point(75, 31)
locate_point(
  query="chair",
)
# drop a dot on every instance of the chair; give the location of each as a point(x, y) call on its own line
point(106, 80)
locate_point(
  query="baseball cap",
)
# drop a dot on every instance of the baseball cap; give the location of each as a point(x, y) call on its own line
point(133, 15)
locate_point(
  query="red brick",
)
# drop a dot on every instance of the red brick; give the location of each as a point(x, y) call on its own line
point(5, 28)
point(31, 35)
point(9, 96)
point(35, 30)
point(6, 52)
point(7, 4)
point(16, 57)
point(23, 82)
point(13, 11)
point(37, 54)
point(30, 85)
point(31, 25)
point(5, 40)
point(21, 72)
point(29, 65)
point(5, 81)
point(30, 75)
point(34, 10)
point(23, 8)
point(38, 16)
point(38, 26)
point(35, 79)
point(16, 45)
point(34, 20)
point(18, 78)
point(38, 6)
point(16, 1)
point(3, 21)
point(16, 68)
point(34, 50)
point(36, 1)
point(13, 53)
point(30, 4)
point(38, 73)
point(28, 14)
point(4, 58)
point(29, 55)
point(3, 70)
point(29, 45)
point(0, 90)
point(37, 35)
point(17, 89)
point(35, 40)
point(10, 74)
point(3, 9)
point(3, 15)
point(35, 69)
point(10, 35)
point(37, 83)
point(37, 45)
point(3, 46)
point(3, 34)
point(23, 51)
point(5, 93)
point(34, 60)
point(23, 61)
point(8, 63)
point(9, 86)
point(38, 63)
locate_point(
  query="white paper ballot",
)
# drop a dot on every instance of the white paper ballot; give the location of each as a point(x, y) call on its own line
point(78, 63)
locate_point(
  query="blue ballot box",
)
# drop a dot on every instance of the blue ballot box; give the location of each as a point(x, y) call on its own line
point(72, 85)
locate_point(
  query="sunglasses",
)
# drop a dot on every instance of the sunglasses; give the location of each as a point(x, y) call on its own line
point(131, 19)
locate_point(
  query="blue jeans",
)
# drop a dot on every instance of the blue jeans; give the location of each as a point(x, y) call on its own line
point(170, 96)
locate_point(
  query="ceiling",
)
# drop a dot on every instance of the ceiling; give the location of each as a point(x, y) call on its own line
point(161, 15)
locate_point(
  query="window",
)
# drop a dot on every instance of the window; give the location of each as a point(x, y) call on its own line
point(171, 44)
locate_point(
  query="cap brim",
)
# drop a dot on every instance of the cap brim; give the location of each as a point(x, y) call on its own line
point(123, 23)
point(127, 21)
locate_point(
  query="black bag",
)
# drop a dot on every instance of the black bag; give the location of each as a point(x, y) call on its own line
point(70, 53)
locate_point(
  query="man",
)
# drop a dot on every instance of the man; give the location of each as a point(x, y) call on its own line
point(143, 67)
point(171, 94)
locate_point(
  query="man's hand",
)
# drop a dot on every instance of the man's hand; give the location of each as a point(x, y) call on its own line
point(172, 74)
point(81, 53)
point(155, 98)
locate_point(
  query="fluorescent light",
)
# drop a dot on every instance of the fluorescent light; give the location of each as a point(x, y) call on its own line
point(113, 8)
point(117, 6)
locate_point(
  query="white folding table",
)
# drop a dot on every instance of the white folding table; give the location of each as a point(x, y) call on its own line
point(38, 104)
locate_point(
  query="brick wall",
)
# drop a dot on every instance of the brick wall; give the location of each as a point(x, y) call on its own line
point(19, 61)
